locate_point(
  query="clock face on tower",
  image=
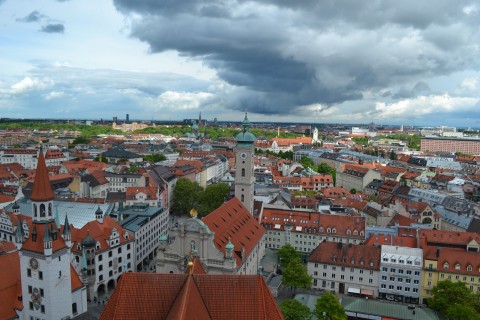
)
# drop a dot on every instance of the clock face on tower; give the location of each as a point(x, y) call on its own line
point(243, 155)
point(34, 263)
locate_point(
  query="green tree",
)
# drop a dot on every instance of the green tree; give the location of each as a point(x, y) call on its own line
point(328, 307)
point(393, 155)
point(307, 162)
point(449, 298)
point(186, 196)
point(212, 198)
point(286, 254)
point(81, 140)
point(295, 275)
point(324, 168)
point(154, 158)
point(293, 309)
point(353, 191)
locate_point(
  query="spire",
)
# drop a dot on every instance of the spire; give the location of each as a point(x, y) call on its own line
point(245, 123)
point(57, 218)
point(19, 233)
point(66, 227)
point(42, 190)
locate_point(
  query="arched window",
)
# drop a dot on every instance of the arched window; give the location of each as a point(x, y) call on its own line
point(243, 172)
point(50, 210)
point(243, 198)
point(35, 210)
point(42, 210)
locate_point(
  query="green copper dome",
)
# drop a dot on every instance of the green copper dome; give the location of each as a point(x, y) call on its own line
point(245, 136)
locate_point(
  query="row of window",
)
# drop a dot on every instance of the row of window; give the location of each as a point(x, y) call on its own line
point(399, 288)
point(399, 279)
point(342, 277)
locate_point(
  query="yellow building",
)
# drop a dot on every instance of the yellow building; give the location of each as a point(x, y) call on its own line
point(450, 256)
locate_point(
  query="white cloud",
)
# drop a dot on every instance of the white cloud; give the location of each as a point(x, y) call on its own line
point(175, 100)
point(28, 84)
point(54, 95)
point(469, 84)
point(423, 106)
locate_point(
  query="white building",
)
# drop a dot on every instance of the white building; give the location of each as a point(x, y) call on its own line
point(400, 274)
point(147, 224)
point(51, 288)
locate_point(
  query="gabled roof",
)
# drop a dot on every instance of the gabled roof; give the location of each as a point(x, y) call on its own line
point(195, 296)
point(42, 190)
point(233, 221)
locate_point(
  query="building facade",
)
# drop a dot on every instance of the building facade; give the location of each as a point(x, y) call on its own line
point(400, 274)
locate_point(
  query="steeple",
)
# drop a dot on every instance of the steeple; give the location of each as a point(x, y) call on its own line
point(67, 234)
point(99, 215)
point(42, 193)
point(42, 190)
point(19, 235)
point(16, 208)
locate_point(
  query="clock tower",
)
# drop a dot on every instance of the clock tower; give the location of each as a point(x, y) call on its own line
point(244, 152)
point(45, 258)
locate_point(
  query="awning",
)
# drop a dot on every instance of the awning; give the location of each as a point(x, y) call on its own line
point(367, 292)
point(354, 290)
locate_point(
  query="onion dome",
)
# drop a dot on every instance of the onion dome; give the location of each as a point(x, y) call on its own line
point(229, 245)
point(15, 206)
point(245, 136)
point(88, 242)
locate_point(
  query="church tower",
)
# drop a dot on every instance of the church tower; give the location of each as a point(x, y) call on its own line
point(244, 152)
point(45, 257)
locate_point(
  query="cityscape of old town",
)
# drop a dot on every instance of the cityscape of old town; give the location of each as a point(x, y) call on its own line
point(257, 159)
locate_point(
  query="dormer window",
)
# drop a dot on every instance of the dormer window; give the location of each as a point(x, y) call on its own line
point(355, 232)
point(348, 231)
point(97, 245)
point(334, 230)
point(362, 262)
point(352, 261)
point(469, 268)
point(445, 265)
point(329, 230)
point(457, 266)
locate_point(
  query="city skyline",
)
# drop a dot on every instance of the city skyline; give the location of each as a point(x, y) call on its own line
point(342, 62)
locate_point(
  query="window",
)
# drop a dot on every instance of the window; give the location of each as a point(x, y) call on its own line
point(40, 275)
point(100, 267)
point(74, 308)
point(110, 254)
point(100, 258)
point(100, 277)
point(417, 273)
point(391, 287)
point(29, 272)
point(399, 288)
point(30, 289)
point(384, 286)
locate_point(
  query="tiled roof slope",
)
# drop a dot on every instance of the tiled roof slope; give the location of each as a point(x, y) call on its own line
point(350, 255)
point(233, 221)
point(10, 285)
point(42, 190)
point(196, 296)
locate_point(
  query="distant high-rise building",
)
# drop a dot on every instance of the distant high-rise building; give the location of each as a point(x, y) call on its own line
point(127, 117)
point(115, 119)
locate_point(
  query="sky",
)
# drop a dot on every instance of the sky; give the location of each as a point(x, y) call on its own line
point(333, 61)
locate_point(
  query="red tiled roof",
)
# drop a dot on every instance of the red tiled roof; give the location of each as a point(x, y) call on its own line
point(410, 242)
point(100, 232)
point(232, 221)
point(196, 296)
point(401, 220)
point(351, 255)
point(42, 190)
point(37, 246)
point(76, 283)
point(10, 285)
point(454, 260)
point(344, 225)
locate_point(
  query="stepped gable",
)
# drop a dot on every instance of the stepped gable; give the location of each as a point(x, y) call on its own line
point(42, 190)
point(10, 285)
point(233, 221)
point(194, 296)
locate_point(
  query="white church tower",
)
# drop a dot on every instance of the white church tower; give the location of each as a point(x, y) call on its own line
point(45, 257)
point(244, 179)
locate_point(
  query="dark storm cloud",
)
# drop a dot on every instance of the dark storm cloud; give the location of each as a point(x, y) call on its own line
point(33, 16)
point(283, 56)
point(53, 28)
point(420, 89)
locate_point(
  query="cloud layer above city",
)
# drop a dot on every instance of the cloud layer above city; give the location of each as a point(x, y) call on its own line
point(405, 62)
